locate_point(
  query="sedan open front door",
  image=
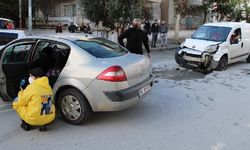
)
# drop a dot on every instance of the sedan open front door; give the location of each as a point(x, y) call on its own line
point(14, 67)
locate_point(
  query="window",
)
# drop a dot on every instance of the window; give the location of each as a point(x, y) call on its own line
point(17, 53)
point(101, 48)
point(236, 36)
point(212, 33)
point(65, 10)
point(68, 10)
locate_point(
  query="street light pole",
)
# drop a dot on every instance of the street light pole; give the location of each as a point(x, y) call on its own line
point(20, 13)
point(30, 17)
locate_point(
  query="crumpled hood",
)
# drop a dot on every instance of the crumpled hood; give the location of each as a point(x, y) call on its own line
point(199, 45)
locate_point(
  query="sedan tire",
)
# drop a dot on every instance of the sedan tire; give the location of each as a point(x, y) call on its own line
point(248, 59)
point(73, 106)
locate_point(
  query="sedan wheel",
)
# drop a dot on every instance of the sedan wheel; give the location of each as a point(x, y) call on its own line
point(248, 59)
point(71, 108)
point(74, 107)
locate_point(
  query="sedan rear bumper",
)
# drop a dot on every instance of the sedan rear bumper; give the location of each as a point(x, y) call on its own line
point(131, 92)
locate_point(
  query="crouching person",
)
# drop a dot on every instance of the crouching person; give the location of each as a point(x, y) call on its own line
point(34, 104)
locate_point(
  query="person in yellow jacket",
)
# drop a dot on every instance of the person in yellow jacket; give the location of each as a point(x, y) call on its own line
point(34, 104)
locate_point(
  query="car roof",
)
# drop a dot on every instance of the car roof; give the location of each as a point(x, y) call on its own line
point(6, 19)
point(67, 37)
point(12, 31)
point(227, 24)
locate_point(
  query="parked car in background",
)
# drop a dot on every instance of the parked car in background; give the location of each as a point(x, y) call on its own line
point(88, 74)
point(6, 23)
point(214, 46)
point(7, 36)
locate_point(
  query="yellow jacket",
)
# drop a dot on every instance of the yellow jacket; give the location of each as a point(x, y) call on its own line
point(35, 103)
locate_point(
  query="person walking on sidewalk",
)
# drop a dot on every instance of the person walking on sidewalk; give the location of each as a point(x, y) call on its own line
point(163, 29)
point(34, 104)
point(135, 37)
point(147, 27)
point(154, 30)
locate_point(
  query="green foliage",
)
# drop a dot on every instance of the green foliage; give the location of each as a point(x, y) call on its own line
point(110, 11)
point(10, 9)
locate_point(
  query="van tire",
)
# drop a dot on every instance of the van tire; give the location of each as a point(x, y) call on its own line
point(72, 102)
point(248, 59)
point(223, 63)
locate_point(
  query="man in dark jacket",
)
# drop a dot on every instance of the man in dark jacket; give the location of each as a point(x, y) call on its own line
point(154, 30)
point(135, 37)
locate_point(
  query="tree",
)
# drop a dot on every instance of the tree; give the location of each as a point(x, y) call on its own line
point(181, 8)
point(9, 9)
point(224, 8)
point(246, 8)
point(110, 11)
point(46, 7)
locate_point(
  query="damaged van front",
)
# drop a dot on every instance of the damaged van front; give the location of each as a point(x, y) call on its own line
point(210, 47)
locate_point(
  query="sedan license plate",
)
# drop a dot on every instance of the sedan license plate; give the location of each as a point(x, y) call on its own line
point(144, 90)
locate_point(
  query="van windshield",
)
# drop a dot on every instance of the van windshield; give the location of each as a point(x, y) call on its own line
point(212, 33)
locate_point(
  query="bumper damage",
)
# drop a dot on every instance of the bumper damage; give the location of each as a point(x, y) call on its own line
point(195, 60)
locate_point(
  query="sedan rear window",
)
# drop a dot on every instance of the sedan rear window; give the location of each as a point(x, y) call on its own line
point(101, 48)
point(5, 38)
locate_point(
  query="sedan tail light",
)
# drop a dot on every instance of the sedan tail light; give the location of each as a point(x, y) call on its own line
point(113, 74)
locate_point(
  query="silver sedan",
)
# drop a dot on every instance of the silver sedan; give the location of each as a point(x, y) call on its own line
point(87, 74)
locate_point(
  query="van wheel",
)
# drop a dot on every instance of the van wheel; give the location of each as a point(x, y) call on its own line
point(248, 59)
point(73, 106)
point(222, 65)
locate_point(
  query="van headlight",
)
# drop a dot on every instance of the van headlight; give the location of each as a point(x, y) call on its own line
point(212, 48)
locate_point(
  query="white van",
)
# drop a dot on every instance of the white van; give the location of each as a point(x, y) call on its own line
point(214, 46)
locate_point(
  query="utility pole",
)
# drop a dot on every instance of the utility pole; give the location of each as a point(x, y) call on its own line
point(20, 13)
point(30, 17)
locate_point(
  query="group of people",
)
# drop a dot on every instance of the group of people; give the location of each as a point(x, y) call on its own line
point(73, 28)
point(156, 29)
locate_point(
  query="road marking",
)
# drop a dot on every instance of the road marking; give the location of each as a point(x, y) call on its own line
point(5, 107)
point(4, 111)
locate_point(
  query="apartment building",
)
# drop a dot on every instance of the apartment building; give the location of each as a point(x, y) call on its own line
point(71, 11)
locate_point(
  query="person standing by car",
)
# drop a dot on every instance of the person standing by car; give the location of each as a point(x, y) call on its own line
point(163, 29)
point(59, 28)
point(72, 28)
point(154, 30)
point(147, 27)
point(34, 104)
point(135, 37)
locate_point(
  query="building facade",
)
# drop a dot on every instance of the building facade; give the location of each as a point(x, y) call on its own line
point(70, 11)
point(192, 20)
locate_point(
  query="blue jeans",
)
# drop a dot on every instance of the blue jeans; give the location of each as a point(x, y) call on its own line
point(154, 38)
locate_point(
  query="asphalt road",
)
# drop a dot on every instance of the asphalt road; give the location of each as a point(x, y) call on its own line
point(185, 110)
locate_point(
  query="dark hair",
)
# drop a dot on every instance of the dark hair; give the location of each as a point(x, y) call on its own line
point(37, 72)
